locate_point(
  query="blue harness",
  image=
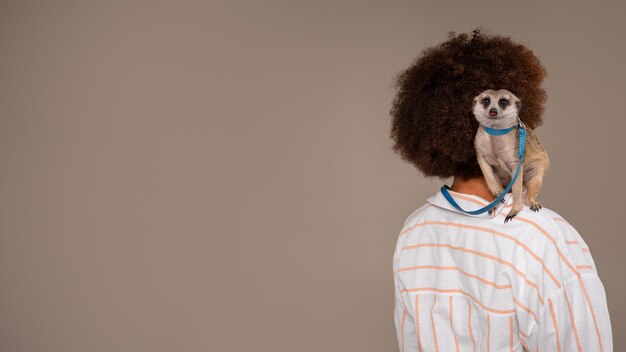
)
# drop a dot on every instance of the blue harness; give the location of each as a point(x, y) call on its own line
point(495, 132)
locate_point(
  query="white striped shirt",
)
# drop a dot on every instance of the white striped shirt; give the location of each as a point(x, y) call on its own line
point(473, 283)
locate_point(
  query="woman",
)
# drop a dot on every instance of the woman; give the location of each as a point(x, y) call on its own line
point(471, 282)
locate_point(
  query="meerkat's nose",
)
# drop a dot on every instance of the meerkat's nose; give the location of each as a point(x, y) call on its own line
point(493, 112)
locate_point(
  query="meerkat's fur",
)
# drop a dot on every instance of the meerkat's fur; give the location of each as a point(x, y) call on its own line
point(498, 156)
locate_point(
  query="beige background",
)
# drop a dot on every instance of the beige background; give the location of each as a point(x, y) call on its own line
point(218, 176)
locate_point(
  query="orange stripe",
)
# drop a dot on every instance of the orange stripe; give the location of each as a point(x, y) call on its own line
point(484, 255)
point(454, 290)
point(415, 213)
point(571, 317)
point(469, 325)
point(511, 333)
point(556, 326)
point(499, 234)
point(456, 343)
point(462, 196)
point(563, 220)
point(432, 320)
point(574, 242)
point(488, 333)
point(523, 339)
point(485, 281)
point(417, 322)
point(524, 344)
point(583, 267)
point(406, 230)
point(526, 309)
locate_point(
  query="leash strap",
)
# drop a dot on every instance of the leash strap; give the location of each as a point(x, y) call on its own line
point(522, 139)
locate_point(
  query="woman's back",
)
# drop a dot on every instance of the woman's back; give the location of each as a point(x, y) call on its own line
point(472, 283)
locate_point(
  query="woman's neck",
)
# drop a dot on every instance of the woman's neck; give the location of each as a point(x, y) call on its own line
point(475, 185)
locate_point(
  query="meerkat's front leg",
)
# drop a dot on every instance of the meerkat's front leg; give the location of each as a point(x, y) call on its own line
point(533, 187)
point(518, 201)
point(493, 183)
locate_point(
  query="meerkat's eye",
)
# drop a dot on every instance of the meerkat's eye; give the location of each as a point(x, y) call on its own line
point(486, 100)
point(503, 102)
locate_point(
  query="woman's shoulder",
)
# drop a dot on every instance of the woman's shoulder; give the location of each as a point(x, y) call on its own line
point(542, 228)
point(549, 220)
point(554, 239)
point(547, 223)
point(417, 213)
point(563, 229)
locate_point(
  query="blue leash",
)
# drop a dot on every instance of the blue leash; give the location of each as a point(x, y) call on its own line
point(495, 132)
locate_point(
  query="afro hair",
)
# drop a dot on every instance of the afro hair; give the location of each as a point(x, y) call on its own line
point(433, 127)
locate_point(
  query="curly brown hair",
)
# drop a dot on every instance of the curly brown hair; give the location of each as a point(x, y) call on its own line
point(433, 126)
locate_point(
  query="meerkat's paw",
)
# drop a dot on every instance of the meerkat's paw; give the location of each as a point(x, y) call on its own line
point(532, 203)
point(534, 206)
point(511, 215)
point(493, 209)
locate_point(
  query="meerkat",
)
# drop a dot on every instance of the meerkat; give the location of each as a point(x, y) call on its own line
point(498, 155)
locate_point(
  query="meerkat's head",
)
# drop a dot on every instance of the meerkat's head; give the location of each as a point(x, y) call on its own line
point(496, 108)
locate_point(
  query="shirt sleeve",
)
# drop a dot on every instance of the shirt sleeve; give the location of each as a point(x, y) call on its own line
point(405, 323)
point(574, 318)
point(404, 309)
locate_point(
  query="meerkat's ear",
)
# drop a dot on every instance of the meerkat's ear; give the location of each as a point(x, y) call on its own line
point(518, 105)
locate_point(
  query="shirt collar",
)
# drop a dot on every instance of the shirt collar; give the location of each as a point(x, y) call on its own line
point(470, 202)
